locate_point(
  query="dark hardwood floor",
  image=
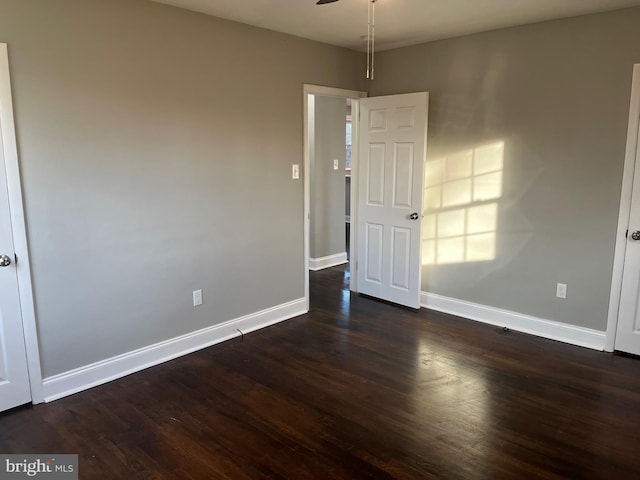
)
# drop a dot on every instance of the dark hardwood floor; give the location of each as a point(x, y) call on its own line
point(354, 390)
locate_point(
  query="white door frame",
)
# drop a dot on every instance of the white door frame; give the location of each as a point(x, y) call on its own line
point(23, 266)
point(625, 211)
point(341, 93)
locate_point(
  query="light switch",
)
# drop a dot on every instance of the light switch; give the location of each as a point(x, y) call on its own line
point(197, 298)
point(561, 290)
point(336, 164)
point(295, 172)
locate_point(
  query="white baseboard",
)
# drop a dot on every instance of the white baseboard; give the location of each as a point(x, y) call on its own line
point(326, 262)
point(89, 376)
point(583, 337)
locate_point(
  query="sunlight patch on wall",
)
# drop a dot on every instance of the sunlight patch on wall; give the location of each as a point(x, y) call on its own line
point(460, 205)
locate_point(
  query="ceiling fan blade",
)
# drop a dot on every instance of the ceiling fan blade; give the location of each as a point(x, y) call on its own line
point(322, 2)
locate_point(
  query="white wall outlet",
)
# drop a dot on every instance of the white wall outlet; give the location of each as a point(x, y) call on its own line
point(561, 290)
point(336, 164)
point(295, 171)
point(197, 298)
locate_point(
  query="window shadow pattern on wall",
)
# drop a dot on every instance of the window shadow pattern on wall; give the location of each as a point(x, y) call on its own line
point(461, 205)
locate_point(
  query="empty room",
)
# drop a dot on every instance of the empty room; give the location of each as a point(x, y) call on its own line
point(348, 239)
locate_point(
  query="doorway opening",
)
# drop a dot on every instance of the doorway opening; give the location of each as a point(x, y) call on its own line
point(330, 166)
point(329, 186)
point(388, 185)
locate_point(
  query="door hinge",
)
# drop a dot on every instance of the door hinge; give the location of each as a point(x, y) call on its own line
point(626, 234)
point(15, 256)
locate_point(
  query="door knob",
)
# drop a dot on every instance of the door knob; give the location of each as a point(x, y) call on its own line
point(5, 261)
point(415, 216)
point(636, 235)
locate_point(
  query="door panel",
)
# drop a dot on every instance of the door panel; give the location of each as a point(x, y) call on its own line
point(628, 331)
point(373, 253)
point(14, 376)
point(375, 177)
point(400, 257)
point(403, 176)
point(393, 144)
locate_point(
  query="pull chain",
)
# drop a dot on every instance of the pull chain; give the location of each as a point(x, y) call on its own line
point(371, 38)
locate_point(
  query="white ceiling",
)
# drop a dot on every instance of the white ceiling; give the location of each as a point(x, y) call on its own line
point(398, 22)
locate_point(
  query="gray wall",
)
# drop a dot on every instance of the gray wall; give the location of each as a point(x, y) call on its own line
point(557, 94)
point(156, 147)
point(327, 186)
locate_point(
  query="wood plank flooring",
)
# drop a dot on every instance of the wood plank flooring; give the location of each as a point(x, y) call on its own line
point(354, 390)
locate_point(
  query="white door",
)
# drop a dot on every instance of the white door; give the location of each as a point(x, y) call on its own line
point(628, 333)
point(14, 376)
point(392, 138)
